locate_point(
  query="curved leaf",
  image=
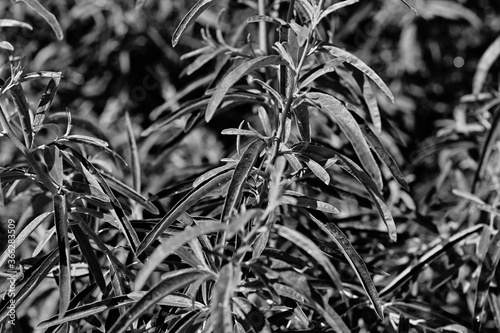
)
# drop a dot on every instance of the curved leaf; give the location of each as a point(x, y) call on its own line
point(61, 224)
point(360, 65)
point(46, 15)
point(182, 206)
point(301, 200)
point(234, 76)
point(240, 176)
point(190, 17)
point(357, 263)
point(484, 65)
point(340, 115)
point(8, 23)
point(171, 282)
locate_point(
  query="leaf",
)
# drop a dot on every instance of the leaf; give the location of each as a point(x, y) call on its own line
point(371, 102)
point(484, 65)
point(23, 111)
point(181, 207)
point(234, 76)
point(240, 176)
point(360, 65)
point(190, 17)
point(46, 15)
point(130, 193)
point(313, 250)
point(302, 201)
point(354, 170)
point(212, 173)
point(357, 263)
point(171, 282)
point(94, 142)
point(220, 306)
point(61, 224)
point(21, 237)
point(176, 300)
point(487, 272)
point(409, 6)
point(54, 161)
point(88, 253)
point(8, 23)
point(487, 148)
point(340, 115)
point(45, 102)
point(301, 113)
point(318, 170)
point(317, 72)
point(429, 257)
point(376, 145)
point(6, 46)
point(32, 280)
point(335, 7)
point(171, 245)
point(86, 310)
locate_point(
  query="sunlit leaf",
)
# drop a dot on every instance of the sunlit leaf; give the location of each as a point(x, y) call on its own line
point(45, 102)
point(220, 307)
point(487, 60)
point(46, 15)
point(9, 23)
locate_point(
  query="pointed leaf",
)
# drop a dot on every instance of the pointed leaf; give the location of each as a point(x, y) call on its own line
point(169, 246)
point(301, 200)
point(45, 102)
point(487, 59)
point(371, 102)
point(240, 176)
point(335, 7)
point(234, 76)
point(340, 115)
point(182, 206)
point(61, 224)
point(171, 282)
point(488, 268)
point(220, 305)
point(212, 173)
point(313, 250)
point(8, 23)
point(134, 154)
point(86, 310)
point(46, 15)
point(357, 263)
point(23, 111)
point(301, 113)
point(190, 17)
point(6, 46)
point(360, 65)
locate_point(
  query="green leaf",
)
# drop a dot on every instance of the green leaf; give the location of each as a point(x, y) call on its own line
point(487, 272)
point(87, 310)
point(190, 17)
point(240, 176)
point(171, 282)
point(313, 250)
point(212, 173)
point(220, 306)
point(234, 76)
point(340, 115)
point(46, 15)
point(357, 263)
point(354, 170)
point(429, 257)
point(171, 245)
point(61, 224)
point(318, 170)
point(484, 65)
point(182, 206)
point(360, 65)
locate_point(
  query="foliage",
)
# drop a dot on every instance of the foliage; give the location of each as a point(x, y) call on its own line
point(297, 217)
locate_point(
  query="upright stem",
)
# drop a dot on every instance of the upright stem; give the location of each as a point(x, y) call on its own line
point(262, 27)
point(27, 153)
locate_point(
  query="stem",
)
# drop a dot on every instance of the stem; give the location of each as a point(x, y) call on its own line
point(262, 27)
point(27, 153)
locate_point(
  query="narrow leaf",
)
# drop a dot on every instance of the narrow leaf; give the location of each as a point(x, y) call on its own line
point(86, 310)
point(302, 201)
point(6, 46)
point(357, 263)
point(45, 102)
point(212, 173)
point(190, 17)
point(360, 65)
point(182, 206)
point(340, 115)
point(488, 268)
point(371, 102)
point(220, 305)
point(23, 111)
point(319, 171)
point(171, 245)
point(134, 154)
point(234, 76)
point(240, 176)
point(335, 7)
point(61, 224)
point(170, 283)
point(46, 15)
point(301, 113)
point(8, 23)
point(484, 65)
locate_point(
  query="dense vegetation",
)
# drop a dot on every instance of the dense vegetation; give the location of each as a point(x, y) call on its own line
point(248, 166)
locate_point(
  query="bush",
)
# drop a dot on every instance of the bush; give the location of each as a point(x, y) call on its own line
point(289, 188)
